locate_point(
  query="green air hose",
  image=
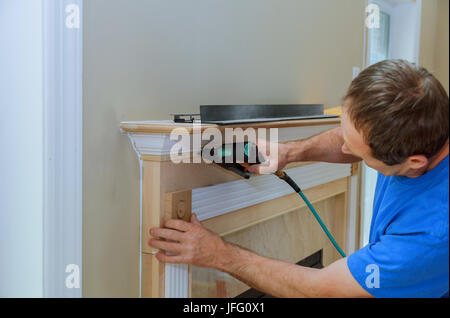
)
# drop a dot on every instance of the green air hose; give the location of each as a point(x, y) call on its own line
point(249, 148)
point(283, 175)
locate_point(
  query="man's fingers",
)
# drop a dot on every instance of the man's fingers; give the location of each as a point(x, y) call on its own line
point(265, 168)
point(194, 219)
point(254, 168)
point(164, 245)
point(268, 169)
point(263, 147)
point(175, 259)
point(179, 225)
point(166, 233)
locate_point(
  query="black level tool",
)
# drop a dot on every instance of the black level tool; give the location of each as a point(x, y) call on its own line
point(241, 114)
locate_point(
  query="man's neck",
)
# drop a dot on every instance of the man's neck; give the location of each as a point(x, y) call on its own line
point(434, 161)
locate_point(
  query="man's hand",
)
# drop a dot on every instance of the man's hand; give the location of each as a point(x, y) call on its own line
point(274, 160)
point(191, 243)
point(187, 243)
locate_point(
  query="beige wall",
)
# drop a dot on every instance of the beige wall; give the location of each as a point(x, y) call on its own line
point(145, 59)
point(442, 46)
point(434, 39)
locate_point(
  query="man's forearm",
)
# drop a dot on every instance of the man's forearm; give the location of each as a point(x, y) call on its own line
point(274, 277)
point(324, 147)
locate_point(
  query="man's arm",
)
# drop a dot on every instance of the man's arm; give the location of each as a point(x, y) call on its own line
point(281, 279)
point(191, 243)
point(325, 147)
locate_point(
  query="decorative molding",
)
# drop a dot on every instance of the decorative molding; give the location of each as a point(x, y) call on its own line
point(63, 127)
point(176, 281)
point(161, 144)
point(155, 144)
point(219, 199)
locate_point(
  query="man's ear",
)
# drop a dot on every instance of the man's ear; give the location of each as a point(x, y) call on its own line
point(417, 162)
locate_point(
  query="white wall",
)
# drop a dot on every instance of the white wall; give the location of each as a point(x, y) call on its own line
point(21, 142)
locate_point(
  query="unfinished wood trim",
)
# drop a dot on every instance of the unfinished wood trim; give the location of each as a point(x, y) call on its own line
point(178, 205)
point(243, 218)
point(298, 164)
point(355, 168)
point(152, 216)
point(209, 202)
point(162, 158)
point(153, 275)
point(165, 127)
point(159, 127)
point(157, 158)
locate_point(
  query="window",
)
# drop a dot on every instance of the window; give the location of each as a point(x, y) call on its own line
point(378, 50)
point(379, 40)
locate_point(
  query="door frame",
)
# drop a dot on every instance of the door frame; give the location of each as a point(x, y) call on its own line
point(63, 124)
point(389, 8)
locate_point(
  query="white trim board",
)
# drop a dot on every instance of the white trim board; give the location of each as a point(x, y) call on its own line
point(176, 281)
point(212, 201)
point(352, 214)
point(62, 149)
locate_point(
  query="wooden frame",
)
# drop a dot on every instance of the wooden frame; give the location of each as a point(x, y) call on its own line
point(172, 190)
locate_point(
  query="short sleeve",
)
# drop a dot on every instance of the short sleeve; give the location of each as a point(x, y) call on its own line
point(414, 265)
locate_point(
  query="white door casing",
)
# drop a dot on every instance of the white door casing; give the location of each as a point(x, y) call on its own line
point(62, 71)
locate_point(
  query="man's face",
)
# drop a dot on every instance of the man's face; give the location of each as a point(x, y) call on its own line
point(354, 145)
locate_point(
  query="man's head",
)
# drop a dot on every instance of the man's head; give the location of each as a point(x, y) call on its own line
point(395, 117)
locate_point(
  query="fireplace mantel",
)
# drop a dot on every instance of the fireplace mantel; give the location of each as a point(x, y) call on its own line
point(170, 190)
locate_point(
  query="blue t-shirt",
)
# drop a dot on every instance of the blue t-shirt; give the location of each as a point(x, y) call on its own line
point(407, 254)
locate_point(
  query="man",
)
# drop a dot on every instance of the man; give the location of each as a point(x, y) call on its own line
point(395, 118)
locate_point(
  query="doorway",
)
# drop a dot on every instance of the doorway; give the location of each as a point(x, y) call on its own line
point(397, 36)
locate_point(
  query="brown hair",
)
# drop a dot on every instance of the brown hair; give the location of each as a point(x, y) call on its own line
point(400, 109)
